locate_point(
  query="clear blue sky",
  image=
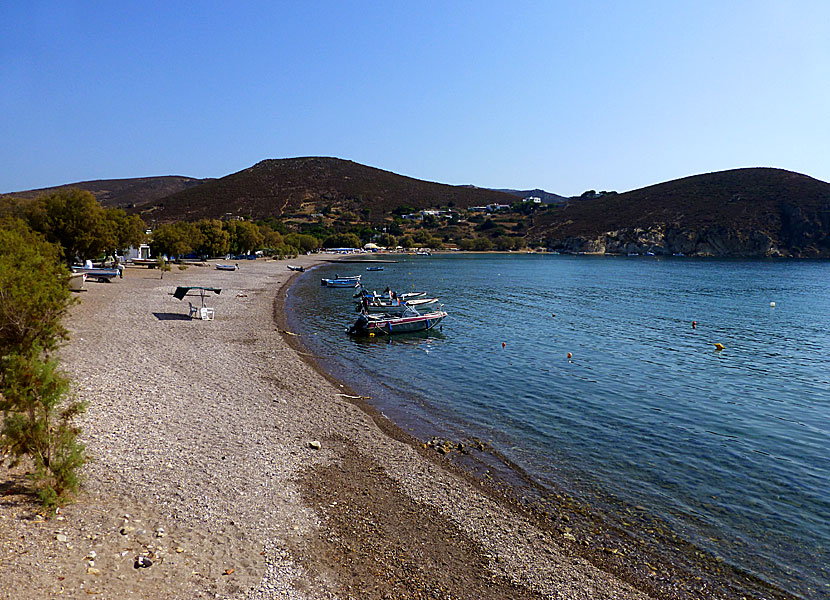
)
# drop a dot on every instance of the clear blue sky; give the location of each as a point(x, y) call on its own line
point(562, 95)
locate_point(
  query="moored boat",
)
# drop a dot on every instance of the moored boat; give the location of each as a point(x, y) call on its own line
point(393, 306)
point(409, 322)
point(354, 279)
point(340, 283)
point(420, 302)
point(407, 296)
point(227, 267)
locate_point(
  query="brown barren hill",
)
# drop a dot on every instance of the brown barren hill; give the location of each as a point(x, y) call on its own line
point(123, 193)
point(278, 187)
point(741, 212)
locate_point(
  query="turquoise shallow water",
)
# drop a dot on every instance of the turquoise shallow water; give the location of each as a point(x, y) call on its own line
point(731, 448)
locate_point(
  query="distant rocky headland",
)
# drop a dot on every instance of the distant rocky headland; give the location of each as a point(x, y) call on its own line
point(757, 212)
point(753, 212)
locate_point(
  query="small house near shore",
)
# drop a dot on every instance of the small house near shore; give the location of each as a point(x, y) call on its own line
point(142, 252)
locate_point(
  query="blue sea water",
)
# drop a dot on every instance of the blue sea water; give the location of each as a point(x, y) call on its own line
point(731, 448)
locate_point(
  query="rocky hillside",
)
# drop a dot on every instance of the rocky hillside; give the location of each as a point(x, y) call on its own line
point(124, 193)
point(741, 212)
point(279, 188)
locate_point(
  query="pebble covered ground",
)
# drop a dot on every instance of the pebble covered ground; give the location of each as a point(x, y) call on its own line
point(224, 466)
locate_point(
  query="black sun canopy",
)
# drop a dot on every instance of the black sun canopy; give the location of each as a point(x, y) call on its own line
point(182, 291)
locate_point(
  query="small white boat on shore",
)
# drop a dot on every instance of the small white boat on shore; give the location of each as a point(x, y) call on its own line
point(100, 274)
point(151, 263)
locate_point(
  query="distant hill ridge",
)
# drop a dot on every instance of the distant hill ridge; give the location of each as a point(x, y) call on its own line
point(740, 212)
point(123, 193)
point(277, 187)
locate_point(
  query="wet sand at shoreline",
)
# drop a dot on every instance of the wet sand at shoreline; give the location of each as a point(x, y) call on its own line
point(204, 440)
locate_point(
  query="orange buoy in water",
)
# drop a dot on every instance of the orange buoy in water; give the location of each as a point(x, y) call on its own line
point(694, 324)
point(503, 344)
point(719, 347)
point(570, 356)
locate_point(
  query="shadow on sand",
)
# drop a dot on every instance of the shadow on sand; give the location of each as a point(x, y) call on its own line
point(165, 316)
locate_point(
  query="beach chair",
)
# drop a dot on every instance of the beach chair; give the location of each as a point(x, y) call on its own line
point(202, 312)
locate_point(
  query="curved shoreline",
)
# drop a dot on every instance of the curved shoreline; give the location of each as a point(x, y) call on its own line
point(201, 433)
point(646, 542)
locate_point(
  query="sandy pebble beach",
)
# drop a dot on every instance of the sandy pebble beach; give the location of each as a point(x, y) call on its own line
point(239, 471)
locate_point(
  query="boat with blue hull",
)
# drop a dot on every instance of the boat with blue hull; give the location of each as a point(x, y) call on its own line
point(99, 274)
point(340, 283)
point(350, 281)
